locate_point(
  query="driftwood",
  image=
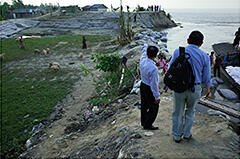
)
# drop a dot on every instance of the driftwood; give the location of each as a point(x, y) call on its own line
point(115, 99)
point(221, 107)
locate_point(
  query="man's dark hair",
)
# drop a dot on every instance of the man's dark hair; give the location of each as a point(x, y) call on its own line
point(196, 38)
point(152, 51)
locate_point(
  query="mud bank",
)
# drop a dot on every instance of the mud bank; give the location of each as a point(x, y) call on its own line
point(80, 23)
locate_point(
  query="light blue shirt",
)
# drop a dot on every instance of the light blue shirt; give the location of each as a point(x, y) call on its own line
point(200, 63)
point(149, 72)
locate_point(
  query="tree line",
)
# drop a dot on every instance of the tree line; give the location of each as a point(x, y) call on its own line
point(18, 4)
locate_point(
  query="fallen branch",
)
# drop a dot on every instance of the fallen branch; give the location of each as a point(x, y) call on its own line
point(122, 95)
point(105, 87)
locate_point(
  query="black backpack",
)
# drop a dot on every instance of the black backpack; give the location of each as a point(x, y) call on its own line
point(179, 76)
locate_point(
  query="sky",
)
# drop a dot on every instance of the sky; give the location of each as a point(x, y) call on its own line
point(167, 4)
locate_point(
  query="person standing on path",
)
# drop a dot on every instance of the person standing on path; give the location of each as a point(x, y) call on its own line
point(22, 43)
point(84, 43)
point(200, 63)
point(211, 59)
point(150, 96)
point(236, 39)
point(217, 64)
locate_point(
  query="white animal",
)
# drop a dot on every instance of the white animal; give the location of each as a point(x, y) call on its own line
point(48, 50)
point(57, 46)
point(37, 51)
point(80, 55)
point(2, 56)
point(44, 52)
point(54, 66)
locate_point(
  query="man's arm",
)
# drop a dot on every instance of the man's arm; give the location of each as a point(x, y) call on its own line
point(144, 52)
point(207, 76)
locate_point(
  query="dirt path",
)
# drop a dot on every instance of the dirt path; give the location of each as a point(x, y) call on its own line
point(116, 131)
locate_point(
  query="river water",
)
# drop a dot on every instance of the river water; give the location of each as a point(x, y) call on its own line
point(216, 25)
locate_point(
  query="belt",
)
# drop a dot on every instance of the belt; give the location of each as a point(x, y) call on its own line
point(197, 83)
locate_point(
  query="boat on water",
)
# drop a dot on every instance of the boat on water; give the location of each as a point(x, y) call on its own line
point(230, 62)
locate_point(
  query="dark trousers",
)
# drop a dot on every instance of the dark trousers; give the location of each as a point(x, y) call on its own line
point(149, 109)
point(215, 70)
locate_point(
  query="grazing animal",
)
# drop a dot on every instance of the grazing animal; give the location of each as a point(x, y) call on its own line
point(48, 50)
point(57, 46)
point(44, 52)
point(80, 55)
point(54, 66)
point(37, 51)
point(2, 56)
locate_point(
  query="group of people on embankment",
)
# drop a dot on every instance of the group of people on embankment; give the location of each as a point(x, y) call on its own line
point(155, 8)
point(184, 103)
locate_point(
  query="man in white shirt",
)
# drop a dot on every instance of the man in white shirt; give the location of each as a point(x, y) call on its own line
point(150, 96)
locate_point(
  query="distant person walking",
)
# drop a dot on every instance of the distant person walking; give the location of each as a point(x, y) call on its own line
point(22, 44)
point(200, 63)
point(161, 61)
point(216, 68)
point(84, 43)
point(211, 58)
point(150, 96)
point(236, 39)
point(135, 18)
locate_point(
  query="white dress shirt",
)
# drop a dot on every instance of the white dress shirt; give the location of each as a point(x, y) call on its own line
point(149, 72)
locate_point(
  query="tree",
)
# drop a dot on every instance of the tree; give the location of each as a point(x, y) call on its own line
point(17, 4)
point(125, 29)
point(4, 9)
point(139, 8)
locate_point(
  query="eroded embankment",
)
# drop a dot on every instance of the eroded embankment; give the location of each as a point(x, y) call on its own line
point(115, 132)
point(79, 23)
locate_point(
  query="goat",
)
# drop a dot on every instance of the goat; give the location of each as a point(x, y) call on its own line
point(54, 66)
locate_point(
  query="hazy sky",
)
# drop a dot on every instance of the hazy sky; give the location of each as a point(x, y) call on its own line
point(133, 3)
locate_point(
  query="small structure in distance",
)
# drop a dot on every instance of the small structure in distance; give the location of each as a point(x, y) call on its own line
point(24, 13)
point(95, 7)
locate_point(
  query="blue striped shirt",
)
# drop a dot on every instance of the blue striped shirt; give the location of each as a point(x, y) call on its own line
point(200, 63)
point(149, 72)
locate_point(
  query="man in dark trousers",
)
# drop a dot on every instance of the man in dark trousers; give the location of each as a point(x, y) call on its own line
point(200, 63)
point(150, 96)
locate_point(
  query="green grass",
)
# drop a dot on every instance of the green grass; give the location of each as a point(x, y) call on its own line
point(12, 50)
point(21, 97)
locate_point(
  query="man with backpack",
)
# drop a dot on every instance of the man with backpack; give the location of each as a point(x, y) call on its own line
point(150, 96)
point(197, 64)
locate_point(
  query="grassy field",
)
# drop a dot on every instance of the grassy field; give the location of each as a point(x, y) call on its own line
point(24, 100)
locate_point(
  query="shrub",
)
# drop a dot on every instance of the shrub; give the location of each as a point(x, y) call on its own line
point(107, 62)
